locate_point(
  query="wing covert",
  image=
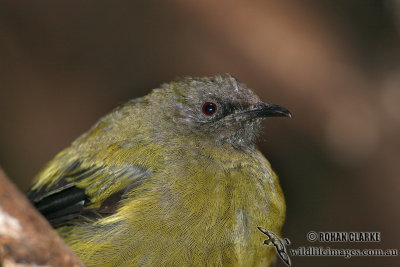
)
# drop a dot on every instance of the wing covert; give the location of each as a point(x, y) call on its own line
point(84, 191)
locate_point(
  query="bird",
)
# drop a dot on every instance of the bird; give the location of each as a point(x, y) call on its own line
point(173, 178)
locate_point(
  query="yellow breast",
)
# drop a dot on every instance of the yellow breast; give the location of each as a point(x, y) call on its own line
point(201, 214)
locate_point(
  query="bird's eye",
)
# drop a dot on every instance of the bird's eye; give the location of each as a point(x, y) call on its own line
point(209, 108)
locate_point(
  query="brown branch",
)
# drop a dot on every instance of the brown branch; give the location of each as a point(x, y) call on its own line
point(25, 236)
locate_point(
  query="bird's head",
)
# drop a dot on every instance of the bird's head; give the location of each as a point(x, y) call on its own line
point(218, 108)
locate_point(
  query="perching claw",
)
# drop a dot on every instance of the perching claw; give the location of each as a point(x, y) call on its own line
point(279, 244)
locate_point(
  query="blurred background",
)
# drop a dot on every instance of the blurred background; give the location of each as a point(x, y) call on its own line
point(335, 64)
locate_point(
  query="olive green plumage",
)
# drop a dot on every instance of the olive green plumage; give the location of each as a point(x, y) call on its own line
point(169, 179)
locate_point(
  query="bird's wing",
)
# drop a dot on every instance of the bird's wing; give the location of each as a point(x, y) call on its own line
point(71, 190)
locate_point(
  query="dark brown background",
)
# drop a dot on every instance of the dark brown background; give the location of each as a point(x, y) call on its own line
point(335, 64)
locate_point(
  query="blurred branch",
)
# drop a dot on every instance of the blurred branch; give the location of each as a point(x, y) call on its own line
point(25, 237)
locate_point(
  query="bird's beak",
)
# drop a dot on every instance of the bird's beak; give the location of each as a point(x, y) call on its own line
point(264, 110)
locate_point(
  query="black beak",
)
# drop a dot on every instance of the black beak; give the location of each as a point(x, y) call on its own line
point(264, 110)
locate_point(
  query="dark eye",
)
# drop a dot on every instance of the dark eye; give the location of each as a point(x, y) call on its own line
point(209, 108)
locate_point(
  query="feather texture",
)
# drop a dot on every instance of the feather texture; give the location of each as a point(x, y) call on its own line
point(156, 182)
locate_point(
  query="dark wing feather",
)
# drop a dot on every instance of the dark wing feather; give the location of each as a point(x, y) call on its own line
point(82, 192)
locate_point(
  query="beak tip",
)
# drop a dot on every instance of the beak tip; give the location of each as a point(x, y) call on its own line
point(264, 110)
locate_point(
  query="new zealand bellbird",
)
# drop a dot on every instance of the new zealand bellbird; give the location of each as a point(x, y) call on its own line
point(169, 179)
